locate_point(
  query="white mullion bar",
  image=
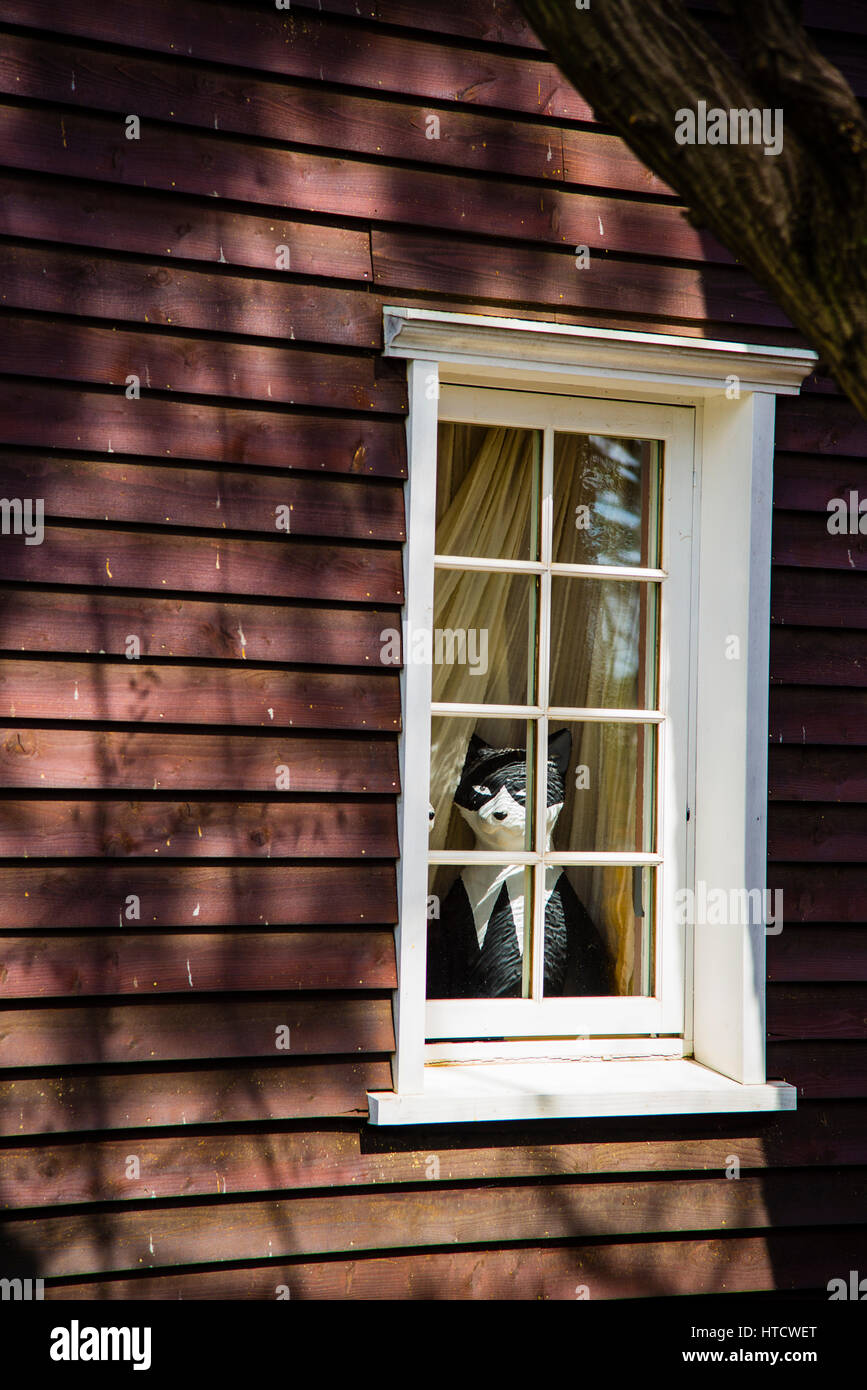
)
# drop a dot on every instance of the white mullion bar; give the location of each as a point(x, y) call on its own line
point(477, 562)
point(472, 562)
point(487, 711)
point(626, 858)
point(544, 680)
point(602, 857)
point(478, 856)
point(607, 715)
point(609, 572)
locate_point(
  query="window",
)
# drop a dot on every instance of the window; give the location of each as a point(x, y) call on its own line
point(585, 693)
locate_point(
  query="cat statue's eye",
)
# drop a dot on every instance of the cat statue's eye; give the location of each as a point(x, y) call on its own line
point(483, 791)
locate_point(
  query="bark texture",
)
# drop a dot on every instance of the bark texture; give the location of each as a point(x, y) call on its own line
point(797, 219)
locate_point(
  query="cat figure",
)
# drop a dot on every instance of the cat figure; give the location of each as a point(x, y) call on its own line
point(475, 949)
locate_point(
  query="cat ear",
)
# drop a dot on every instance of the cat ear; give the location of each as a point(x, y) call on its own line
point(560, 750)
point(476, 747)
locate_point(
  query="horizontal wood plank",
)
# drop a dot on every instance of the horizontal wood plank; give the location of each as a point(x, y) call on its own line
point(820, 424)
point(63, 417)
point(323, 48)
point(234, 696)
point(59, 281)
point(807, 955)
point(294, 829)
point(286, 567)
point(800, 1012)
point(165, 1237)
point(821, 892)
point(409, 260)
point(105, 759)
point(490, 21)
point(801, 714)
point(813, 657)
point(170, 495)
point(816, 598)
point(806, 482)
point(798, 831)
point(139, 965)
point(802, 539)
point(233, 1163)
point(144, 896)
point(821, 1070)
point(165, 362)
point(300, 180)
point(783, 1260)
point(163, 1031)
point(156, 225)
point(34, 620)
point(333, 119)
point(817, 774)
point(132, 1099)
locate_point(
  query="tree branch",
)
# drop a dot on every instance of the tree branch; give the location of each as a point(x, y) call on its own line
point(796, 219)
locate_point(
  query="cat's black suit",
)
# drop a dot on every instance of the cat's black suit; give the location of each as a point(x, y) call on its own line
point(576, 962)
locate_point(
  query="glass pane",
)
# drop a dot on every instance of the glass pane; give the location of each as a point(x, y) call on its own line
point(484, 640)
point(606, 500)
point(603, 643)
point(599, 930)
point(488, 483)
point(608, 772)
point(476, 931)
point(481, 787)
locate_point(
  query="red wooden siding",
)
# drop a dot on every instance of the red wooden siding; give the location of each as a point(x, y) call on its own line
point(260, 906)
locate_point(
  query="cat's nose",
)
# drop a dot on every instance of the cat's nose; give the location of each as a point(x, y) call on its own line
point(500, 815)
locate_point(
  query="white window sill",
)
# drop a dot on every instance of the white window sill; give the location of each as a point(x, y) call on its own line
point(460, 1092)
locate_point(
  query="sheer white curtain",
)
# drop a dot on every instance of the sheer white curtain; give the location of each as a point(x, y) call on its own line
point(486, 508)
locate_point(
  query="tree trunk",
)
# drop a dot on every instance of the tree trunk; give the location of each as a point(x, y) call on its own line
point(796, 219)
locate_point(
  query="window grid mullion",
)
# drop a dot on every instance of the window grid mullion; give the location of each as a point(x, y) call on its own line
point(542, 695)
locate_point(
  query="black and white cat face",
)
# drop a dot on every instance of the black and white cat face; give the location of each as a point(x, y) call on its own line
point(492, 793)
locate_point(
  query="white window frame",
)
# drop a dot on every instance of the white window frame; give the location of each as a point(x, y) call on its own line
point(673, 427)
point(713, 1057)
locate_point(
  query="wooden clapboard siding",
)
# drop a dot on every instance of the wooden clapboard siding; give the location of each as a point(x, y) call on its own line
point(159, 1236)
point(74, 282)
point(108, 1099)
point(193, 1029)
point(163, 362)
point(127, 692)
point(788, 1260)
point(199, 497)
point(100, 759)
point(818, 953)
point(116, 219)
point(284, 567)
point(171, 964)
point(198, 844)
point(94, 622)
point(70, 1173)
point(192, 895)
point(96, 148)
point(300, 828)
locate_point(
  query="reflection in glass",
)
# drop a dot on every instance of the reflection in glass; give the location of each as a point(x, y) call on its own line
point(488, 480)
point(606, 508)
point(484, 638)
point(621, 901)
point(611, 781)
point(603, 643)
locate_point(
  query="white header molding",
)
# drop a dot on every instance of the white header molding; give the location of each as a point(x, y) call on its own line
point(592, 355)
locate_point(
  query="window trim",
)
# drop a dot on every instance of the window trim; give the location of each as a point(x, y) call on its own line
point(734, 459)
point(662, 1012)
